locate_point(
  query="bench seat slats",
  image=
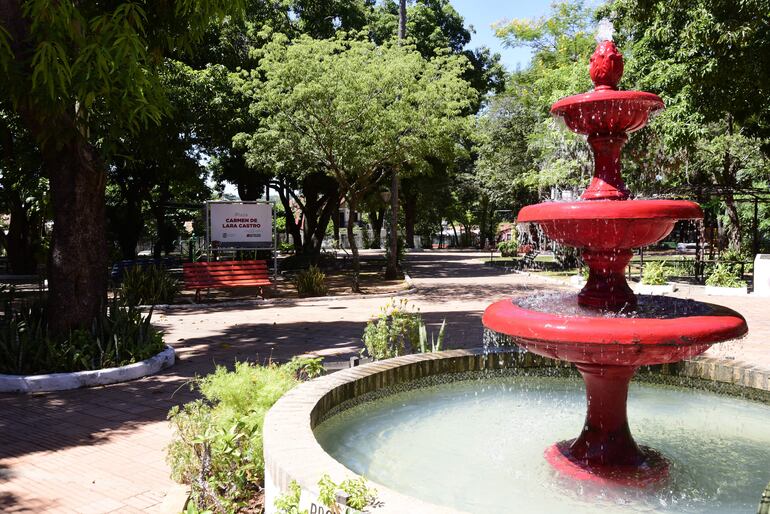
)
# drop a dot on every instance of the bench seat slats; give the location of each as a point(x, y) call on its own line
point(228, 283)
point(207, 275)
point(224, 274)
point(233, 264)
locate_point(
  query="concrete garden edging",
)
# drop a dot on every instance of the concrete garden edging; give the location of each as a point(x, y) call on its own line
point(654, 289)
point(727, 291)
point(77, 379)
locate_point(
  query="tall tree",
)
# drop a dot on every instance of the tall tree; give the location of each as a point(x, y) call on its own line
point(391, 271)
point(710, 61)
point(356, 109)
point(80, 75)
point(435, 27)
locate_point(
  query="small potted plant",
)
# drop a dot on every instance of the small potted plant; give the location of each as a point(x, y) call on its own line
point(724, 282)
point(655, 279)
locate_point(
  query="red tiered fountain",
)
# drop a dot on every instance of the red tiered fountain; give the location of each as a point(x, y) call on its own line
point(607, 349)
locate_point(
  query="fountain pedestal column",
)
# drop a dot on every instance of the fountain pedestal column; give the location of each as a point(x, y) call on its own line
point(607, 182)
point(606, 287)
point(605, 449)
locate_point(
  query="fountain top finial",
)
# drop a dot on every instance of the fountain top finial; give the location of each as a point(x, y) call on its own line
point(607, 62)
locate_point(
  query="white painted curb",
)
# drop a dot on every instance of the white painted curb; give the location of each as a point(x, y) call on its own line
point(727, 291)
point(654, 289)
point(78, 379)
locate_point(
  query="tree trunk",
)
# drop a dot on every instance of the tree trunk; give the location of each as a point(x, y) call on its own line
point(485, 223)
point(336, 228)
point(19, 242)
point(125, 222)
point(353, 247)
point(159, 210)
point(78, 260)
point(391, 271)
point(330, 208)
point(291, 223)
point(402, 19)
point(731, 209)
point(131, 230)
point(410, 217)
point(734, 228)
point(377, 218)
point(454, 229)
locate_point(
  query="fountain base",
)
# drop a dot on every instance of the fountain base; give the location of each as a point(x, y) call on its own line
point(605, 451)
point(651, 472)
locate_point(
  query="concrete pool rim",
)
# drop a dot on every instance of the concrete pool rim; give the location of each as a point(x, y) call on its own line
point(293, 454)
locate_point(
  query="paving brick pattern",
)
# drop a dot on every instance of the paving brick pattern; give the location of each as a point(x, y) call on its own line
point(102, 449)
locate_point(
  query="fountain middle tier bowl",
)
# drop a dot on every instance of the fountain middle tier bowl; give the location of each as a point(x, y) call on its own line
point(609, 224)
point(605, 112)
point(617, 341)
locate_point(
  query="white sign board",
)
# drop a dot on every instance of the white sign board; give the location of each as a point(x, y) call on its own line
point(240, 224)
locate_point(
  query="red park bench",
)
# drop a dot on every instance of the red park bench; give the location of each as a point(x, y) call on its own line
point(225, 274)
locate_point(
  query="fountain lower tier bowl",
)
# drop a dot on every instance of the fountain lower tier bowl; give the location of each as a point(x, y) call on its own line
point(607, 351)
point(602, 112)
point(615, 341)
point(609, 224)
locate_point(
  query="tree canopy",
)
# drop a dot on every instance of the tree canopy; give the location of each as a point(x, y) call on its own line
point(354, 109)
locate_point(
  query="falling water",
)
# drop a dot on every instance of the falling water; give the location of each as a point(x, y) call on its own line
point(648, 306)
point(495, 342)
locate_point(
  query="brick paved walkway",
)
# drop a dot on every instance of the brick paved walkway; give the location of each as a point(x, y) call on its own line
point(102, 449)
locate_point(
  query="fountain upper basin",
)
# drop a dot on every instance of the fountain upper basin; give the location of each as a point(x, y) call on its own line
point(614, 341)
point(609, 224)
point(606, 111)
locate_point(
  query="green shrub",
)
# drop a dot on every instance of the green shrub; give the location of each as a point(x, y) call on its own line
point(311, 282)
point(721, 276)
point(508, 248)
point(359, 494)
point(306, 368)
point(399, 330)
point(435, 345)
point(286, 247)
point(288, 503)
point(217, 447)
point(736, 261)
point(685, 267)
point(149, 285)
point(655, 273)
point(395, 331)
point(119, 337)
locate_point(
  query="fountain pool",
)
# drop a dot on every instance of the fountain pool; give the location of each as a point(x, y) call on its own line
point(476, 445)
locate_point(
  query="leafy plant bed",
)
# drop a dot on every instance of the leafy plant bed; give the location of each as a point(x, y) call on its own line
point(119, 337)
point(217, 447)
point(78, 379)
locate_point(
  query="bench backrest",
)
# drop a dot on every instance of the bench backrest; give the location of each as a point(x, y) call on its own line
point(120, 267)
point(225, 271)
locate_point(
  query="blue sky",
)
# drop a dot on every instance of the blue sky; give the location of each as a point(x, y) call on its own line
point(483, 13)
